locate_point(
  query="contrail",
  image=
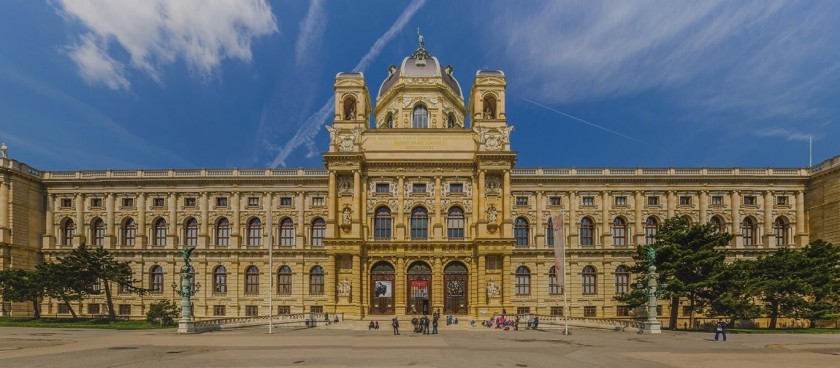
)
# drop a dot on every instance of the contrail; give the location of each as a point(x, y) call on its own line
point(307, 132)
point(585, 122)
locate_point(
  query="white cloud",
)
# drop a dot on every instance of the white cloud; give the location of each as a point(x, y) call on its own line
point(311, 30)
point(786, 134)
point(762, 58)
point(310, 128)
point(154, 33)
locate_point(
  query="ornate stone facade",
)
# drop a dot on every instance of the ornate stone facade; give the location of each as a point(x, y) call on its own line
point(420, 212)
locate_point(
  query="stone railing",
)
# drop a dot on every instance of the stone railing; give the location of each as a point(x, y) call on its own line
point(827, 164)
point(282, 320)
point(188, 173)
point(804, 172)
point(601, 323)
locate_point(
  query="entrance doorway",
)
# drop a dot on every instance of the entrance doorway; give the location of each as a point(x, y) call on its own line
point(455, 288)
point(419, 279)
point(382, 288)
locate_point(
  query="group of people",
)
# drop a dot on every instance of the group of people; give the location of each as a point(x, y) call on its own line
point(420, 324)
point(502, 322)
point(373, 325)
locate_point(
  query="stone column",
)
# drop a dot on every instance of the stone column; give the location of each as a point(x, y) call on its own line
point(478, 193)
point(332, 204)
point(640, 222)
point(669, 203)
point(768, 219)
point(802, 237)
point(236, 223)
point(540, 230)
point(506, 205)
point(704, 205)
point(300, 228)
point(438, 223)
point(110, 220)
point(574, 232)
point(80, 219)
point(356, 292)
point(4, 206)
point(735, 198)
point(204, 207)
point(398, 212)
point(142, 236)
point(49, 221)
point(269, 221)
point(606, 233)
point(172, 234)
point(358, 212)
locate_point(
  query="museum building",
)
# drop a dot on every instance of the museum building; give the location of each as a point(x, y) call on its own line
point(416, 212)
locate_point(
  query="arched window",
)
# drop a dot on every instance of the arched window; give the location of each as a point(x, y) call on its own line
point(316, 281)
point(748, 228)
point(68, 231)
point(589, 281)
point(780, 230)
point(489, 108)
point(523, 281)
point(549, 233)
point(420, 117)
point(622, 280)
point(382, 224)
point(97, 229)
point(554, 287)
point(450, 120)
point(651, 228)
point(191, 232)
point(254, 231)
point(287, 232)
point(129, 232)
point(419, 223)
point(252, 280)
point(619, 231)
point(389, 120)
point(455, 223)
point(156, 279)
point(284, 280)
point(220, 279)
point(718, 223)
point(223, 231)
point(521, 231)
point(160, 232)
point(319, 231)
point(587, 230)
point(349, 108)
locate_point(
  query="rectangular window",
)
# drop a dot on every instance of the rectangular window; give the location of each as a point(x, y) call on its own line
point(686, 311)
point(221, 201)
point(252, 310)
point(345, 262)
point(286, 201)
point(253, 201)
point(318, 202)
point(93, 309)
point(717, 200)
point(653, 200)
point(158, 202)
point(521, 201)
point(782, 201)
point(750, 200)
point(383, 187)
point(189, 202)
point(523, 310)
point(128, 202)
point(621, 201)
point(658, 310)
point(554, 201)
point(685, 201)
point(587, 201)
point(316, 309)
point(219, 310)
point(590, 311)
point(96, 202)
point(456, 188)
point(622, 311)
point(66, 202)
point(493, 262)
point(125, 309)
point(418, 188)
point(63, 309)
point(557, 311)
point(284, 309)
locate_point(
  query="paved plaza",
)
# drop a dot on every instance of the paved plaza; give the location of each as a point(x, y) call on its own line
point(352, 345)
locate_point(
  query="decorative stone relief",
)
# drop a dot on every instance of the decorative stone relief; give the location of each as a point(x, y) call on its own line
point(492, 289)
point(492, 214)
point(344, 287)
point(346, 216)
point(347, 141)
point(345, 185)
point(493, 184)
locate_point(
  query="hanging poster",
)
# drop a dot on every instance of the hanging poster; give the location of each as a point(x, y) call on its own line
point(383, 289)
point(420, 288)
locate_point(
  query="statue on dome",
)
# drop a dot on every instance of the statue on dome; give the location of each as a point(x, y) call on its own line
point(420, 38)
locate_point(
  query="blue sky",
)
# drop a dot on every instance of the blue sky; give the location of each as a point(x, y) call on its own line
point(97, 84)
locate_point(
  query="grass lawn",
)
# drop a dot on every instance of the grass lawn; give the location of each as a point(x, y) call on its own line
point(75, 323)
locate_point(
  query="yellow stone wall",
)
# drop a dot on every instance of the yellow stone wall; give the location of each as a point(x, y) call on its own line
point(823, 201)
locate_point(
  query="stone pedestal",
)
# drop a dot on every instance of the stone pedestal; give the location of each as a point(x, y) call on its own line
point(651, 327)
point(186, 327)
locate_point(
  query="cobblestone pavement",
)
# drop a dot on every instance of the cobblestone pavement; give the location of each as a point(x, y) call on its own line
point(454, 347)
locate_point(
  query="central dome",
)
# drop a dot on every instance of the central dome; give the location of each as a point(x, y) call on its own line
point(420, 65)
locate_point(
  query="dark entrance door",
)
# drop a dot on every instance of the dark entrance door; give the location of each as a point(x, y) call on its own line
point(419, 288)
point(455, 289)
point(382, 288)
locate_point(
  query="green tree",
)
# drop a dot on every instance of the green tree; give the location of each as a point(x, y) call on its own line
point(99, 266)
point(63, 282)
point(730, 296)
point(688, 256)
point(821, 272)
point(17, 285)
point(778, 284)
point(163, 312)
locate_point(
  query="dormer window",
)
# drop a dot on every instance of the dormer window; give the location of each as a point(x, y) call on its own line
point(420, 117)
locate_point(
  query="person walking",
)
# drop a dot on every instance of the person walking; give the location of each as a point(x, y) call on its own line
point(435, 323)
point(720, 329)
point(425, 325)
point(395, 323)
point(536, 322)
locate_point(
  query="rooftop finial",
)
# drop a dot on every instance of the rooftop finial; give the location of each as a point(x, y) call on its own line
point(420, 38)
point(421, 54)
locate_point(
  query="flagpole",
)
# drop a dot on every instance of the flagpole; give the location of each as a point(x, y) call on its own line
point(270, 265)
point(560, 263)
